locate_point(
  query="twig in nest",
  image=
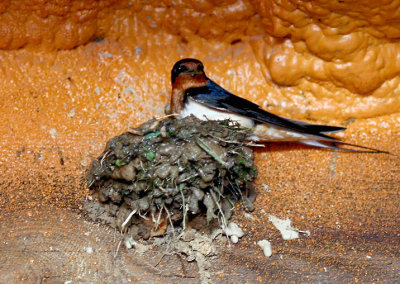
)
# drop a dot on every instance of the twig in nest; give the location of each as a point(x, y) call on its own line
point(170, 221)
point(223, 221)
point(210, 152)
point(184, 207)
point(91, 183)
point(219, 192)
point(252, 144)
point(119, 245)
point(135, 131)
point(141, 165)
point(123, 226)
point(236, 189)
point(104, 157)
point(226, 141)
point(127, 220)
point(159, 217)
point(143, 216)
point(188, 178)
point(167, 116)
point(162, 189)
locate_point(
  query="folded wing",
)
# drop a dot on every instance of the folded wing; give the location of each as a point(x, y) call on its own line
point(215, 96)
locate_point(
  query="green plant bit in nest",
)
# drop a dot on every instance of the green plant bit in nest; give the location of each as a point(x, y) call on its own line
point(170, 171)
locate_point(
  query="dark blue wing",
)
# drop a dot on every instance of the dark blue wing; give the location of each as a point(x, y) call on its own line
point(217, 97)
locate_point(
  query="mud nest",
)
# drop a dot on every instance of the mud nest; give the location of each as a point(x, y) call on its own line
point(168, 172)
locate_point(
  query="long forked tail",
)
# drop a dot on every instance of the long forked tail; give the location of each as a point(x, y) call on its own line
point(333, 146)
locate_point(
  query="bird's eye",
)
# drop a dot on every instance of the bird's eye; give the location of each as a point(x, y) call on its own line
point(182, 68)
point(200, 67)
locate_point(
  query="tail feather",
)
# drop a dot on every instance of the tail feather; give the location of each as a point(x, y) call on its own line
point(317, 128)
point(324, 128)
point(314, 137)
point(333, 146)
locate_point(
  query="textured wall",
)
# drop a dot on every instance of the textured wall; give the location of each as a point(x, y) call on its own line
point(75, 73)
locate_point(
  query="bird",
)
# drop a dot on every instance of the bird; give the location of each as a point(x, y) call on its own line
point(193, 93)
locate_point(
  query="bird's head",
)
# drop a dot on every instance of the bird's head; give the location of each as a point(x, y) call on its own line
point(186, 74)
point(187, 71)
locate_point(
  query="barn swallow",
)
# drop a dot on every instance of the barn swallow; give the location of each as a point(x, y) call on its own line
point(193, 93)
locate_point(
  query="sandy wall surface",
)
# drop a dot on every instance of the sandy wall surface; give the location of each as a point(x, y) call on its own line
point(74, 75)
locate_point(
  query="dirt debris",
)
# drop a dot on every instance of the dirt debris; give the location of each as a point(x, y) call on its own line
point(193, 246)
point(265, 245)
point(168, 171)
point(285, 228)
point(168, 174)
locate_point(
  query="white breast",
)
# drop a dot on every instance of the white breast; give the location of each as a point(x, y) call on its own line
point(204, 112)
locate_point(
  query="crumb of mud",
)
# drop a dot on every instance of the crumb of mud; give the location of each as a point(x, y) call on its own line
point(170, 173)
point(192, 246)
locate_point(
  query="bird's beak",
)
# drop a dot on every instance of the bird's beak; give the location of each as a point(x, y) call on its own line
point(196, 73)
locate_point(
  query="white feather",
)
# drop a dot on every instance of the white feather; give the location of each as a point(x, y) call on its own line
point(204, 112)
